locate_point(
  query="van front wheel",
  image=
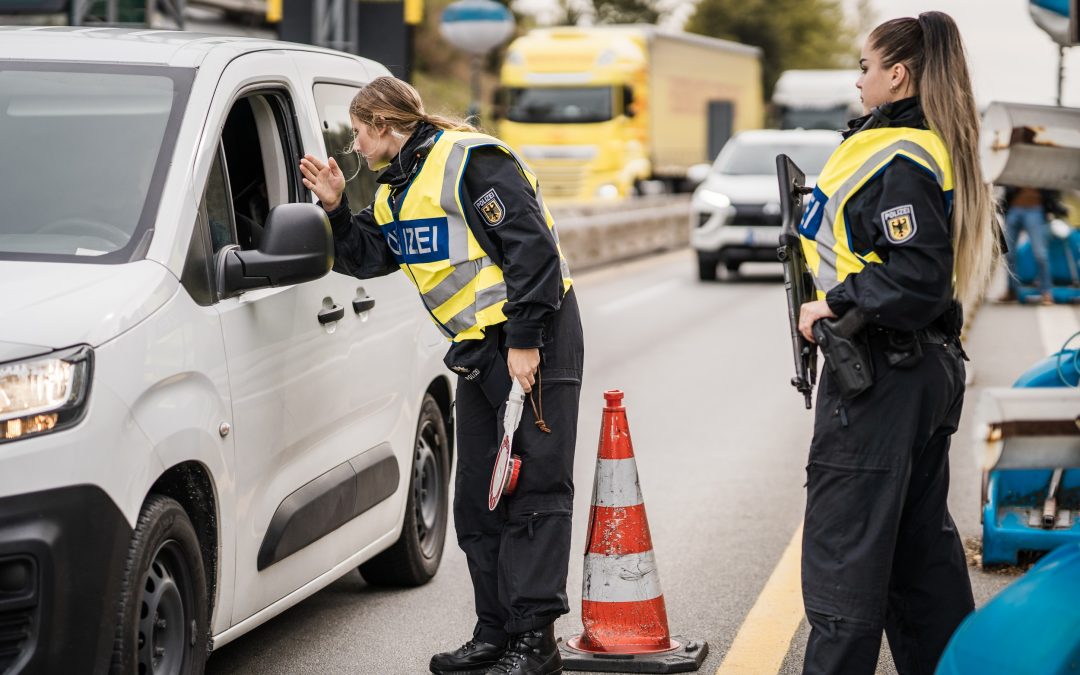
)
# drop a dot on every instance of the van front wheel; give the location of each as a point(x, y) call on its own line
point(162, 623)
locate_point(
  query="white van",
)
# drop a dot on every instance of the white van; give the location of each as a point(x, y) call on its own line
point(200, 424)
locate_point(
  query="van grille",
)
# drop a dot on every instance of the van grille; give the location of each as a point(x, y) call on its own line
point(16, 628)
point(753, 214)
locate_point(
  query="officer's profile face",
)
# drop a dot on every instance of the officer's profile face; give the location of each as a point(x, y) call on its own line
point(880, 84)
point(369, 142)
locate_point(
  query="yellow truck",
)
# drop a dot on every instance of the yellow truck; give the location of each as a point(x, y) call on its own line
point(601, 112)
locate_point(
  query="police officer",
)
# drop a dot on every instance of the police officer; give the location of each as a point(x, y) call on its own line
point(461, 214)
point(899, 227)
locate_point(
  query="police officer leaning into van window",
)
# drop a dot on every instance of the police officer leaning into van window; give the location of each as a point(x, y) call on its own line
point(900, 225)
point(461, 215)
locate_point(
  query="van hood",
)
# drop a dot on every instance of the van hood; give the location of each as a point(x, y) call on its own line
point(51, 306)
point(747, 189)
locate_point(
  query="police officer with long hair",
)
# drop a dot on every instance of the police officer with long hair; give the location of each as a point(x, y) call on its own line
point(899, 228)
point(462, 215)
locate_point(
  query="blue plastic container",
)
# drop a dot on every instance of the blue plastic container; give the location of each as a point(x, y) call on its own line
point(1012, 494)
point(1064, 257)
point(1030, 628)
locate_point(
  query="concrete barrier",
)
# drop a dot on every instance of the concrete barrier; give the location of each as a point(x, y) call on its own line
point(603, 233)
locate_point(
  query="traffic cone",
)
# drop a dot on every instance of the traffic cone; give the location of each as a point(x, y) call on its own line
point(622, 606)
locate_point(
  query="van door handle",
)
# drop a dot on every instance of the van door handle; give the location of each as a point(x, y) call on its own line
point(335, 313)
point(364, 304)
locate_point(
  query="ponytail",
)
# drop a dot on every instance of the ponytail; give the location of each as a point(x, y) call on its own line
point(388, 101)
point(933, 52)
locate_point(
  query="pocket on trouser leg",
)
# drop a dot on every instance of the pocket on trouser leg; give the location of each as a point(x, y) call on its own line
point(849, 537)
point(533, 563)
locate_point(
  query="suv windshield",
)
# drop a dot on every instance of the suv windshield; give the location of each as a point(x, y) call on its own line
point(83, 147)
point(739, 158)
point(559, 105)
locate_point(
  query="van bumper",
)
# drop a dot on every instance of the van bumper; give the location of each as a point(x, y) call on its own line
point(62, 553)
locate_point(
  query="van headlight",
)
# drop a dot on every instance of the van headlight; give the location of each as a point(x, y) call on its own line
point(44, 394)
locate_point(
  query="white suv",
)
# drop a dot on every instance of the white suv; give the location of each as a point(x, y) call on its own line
point(735, 211)
point(199, 425)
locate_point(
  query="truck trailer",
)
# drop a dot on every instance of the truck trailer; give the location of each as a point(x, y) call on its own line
point(600, 112)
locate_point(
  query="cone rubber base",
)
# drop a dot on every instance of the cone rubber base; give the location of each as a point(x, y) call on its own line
point(686, 658)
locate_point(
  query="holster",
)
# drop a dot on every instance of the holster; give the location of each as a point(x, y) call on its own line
point(847, 353)
point(483, 363)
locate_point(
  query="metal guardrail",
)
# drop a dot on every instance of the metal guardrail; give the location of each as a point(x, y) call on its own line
point(602, 233)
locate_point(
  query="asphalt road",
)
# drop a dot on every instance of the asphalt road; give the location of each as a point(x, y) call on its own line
point(721, 441)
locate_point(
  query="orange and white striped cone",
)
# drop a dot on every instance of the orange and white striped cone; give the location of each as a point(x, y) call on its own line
point(622, 606)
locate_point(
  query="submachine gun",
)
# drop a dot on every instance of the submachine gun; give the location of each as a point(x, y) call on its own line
point(798, 283)
point(839, 339)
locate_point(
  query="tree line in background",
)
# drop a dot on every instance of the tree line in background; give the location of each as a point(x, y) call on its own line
point(791, 34)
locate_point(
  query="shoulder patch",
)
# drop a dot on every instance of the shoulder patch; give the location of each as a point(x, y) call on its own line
point(491, 207)
point(900, 225)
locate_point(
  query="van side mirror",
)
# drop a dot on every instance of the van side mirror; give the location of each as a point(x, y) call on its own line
point(628, 101)
point(297, 245)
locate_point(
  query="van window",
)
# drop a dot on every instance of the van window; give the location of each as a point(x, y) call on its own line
point(332, 101)
point(217, 204)
point(86, 148)
point(261, 157)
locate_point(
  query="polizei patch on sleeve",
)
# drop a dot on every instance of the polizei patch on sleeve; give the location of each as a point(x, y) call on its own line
point(900, 225)
point(491, 207)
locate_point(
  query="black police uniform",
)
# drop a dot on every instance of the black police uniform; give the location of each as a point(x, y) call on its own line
point(880, 550)
point(517, 555)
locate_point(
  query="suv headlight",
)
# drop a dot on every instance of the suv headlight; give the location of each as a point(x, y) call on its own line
point(716, 200)
point(44, 394)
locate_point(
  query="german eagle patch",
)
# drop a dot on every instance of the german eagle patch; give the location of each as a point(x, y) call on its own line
point(491, 207)
point(900, 225)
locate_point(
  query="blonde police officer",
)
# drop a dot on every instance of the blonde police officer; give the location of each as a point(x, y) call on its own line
point(461, 215)
point(899, 227)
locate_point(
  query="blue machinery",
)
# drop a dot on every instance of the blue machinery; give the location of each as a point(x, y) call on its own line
point(1026, 508)
point(1031, 502)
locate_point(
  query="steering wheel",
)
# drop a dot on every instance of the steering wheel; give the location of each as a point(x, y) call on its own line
point(83, 226)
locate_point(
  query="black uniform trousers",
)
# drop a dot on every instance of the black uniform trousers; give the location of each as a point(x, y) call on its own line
point(518, 554)
point(880, 550)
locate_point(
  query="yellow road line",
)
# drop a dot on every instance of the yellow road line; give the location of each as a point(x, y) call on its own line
point(765, 636)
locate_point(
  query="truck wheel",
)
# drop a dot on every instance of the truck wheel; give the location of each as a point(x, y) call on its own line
point(162, 620)
point(706, 266)
point(415, 557)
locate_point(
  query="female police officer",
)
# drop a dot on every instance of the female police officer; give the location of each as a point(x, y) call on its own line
point(462, 216)
point(899, 227)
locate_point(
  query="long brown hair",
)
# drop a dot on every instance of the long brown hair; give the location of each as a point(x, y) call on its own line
point(388, 101)
point(931, 49)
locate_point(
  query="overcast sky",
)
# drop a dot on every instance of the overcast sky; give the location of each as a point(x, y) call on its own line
point(1011, 59)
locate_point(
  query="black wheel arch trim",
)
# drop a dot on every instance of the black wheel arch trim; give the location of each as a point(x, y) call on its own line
point(329, 501)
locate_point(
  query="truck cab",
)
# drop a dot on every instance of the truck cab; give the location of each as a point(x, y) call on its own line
point(570, 103)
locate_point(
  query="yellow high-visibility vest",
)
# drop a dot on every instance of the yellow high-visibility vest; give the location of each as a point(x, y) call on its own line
point(824, 232)
point(427, 231)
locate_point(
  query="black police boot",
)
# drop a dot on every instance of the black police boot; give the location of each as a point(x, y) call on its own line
point(531, 653)
point(473, 657)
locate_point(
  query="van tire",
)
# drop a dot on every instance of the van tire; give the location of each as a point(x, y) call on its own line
point(414, 558)
point(165, 578)
point(706, 267)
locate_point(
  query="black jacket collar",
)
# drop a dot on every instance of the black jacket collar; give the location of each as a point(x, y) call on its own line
point(403, 167)
point(907, 112)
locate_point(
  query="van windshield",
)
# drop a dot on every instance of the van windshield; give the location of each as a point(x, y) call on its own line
point(83, 148)
point(559, 105)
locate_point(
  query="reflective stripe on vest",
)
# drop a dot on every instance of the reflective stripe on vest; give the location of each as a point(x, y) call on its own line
point(427, 231)
point(825, 234)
